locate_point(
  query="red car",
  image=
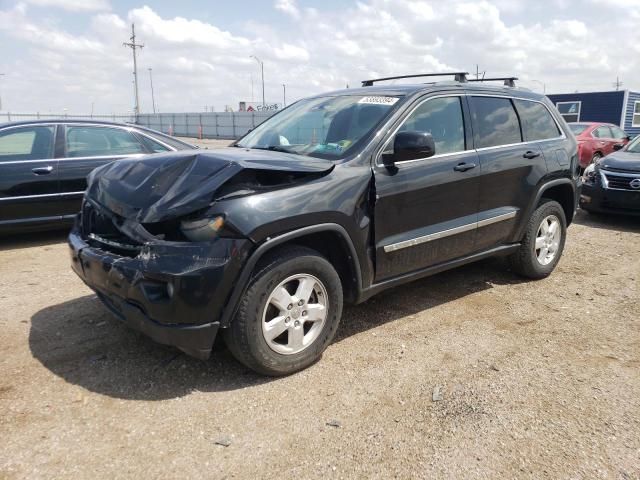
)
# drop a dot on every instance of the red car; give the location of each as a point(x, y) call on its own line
point(596, 140)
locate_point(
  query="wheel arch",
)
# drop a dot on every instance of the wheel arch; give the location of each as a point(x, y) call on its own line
point(329, 239)
point(562, 190)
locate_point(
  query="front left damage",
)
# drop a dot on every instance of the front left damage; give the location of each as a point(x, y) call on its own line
point(152, 245)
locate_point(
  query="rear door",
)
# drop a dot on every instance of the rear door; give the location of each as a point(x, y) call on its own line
point(28, 175)
point(604, 140)
point(426, 209)
point(510, 168)
point(87, 147)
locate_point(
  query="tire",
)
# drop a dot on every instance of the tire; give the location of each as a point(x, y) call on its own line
point(265, 310)
point(531, 262)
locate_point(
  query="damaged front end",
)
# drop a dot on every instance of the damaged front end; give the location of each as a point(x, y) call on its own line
point(151, 244)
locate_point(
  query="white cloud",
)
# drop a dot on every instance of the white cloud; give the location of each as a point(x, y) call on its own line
point(197, 63)
point(289, 7)
point(73, 5)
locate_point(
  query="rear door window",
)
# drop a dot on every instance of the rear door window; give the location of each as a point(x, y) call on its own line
point(26, 143)
point(496, 122)
point(602, 132)
point(618, 133)
point(537, 122)
point(89, 141)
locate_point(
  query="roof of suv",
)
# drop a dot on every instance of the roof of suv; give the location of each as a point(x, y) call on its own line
point(411, 89)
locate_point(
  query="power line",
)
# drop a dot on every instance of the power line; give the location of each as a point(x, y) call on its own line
point(133, 45)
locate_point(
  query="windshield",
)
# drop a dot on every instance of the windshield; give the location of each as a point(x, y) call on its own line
point(578, 128)
point(325, 127)
point(634, 145)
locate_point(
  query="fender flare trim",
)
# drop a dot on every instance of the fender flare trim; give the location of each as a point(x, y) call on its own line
point(245, 275)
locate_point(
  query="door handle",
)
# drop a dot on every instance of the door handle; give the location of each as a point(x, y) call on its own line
point(531, 154)
point(42, 170)
point(463, 167)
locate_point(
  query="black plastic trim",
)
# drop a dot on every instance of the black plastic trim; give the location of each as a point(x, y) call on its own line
point(243, 280)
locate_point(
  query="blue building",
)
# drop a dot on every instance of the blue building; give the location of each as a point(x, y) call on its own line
point(621, 107)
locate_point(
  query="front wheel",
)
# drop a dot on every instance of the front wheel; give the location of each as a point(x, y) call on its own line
point(289, 313)
point(543, 242)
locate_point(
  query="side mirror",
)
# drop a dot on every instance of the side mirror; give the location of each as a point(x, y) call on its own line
point(618, 146)
point(411, 146)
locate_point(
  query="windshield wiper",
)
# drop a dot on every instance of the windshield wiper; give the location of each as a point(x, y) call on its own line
point(274, 148)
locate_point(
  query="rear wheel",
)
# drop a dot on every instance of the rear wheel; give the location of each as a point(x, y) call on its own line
point(289, 313)
point(543, 242)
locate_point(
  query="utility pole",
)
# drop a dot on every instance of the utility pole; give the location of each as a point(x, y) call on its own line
point(133, 45)
point(618, 83)
point(153, 98)
point(1, 76)
point(284, 95)
point(262, 73)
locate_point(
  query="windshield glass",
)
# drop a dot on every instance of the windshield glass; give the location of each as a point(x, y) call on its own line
point(325, 127)
point(578, 128)
point(634, 145)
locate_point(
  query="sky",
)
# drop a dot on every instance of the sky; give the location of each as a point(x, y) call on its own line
point(68, 55)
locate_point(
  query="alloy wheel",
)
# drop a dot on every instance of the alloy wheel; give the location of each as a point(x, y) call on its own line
point(295, 313)
point(548, 239)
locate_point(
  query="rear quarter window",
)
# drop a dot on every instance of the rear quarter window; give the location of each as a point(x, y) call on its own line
point(537, 122)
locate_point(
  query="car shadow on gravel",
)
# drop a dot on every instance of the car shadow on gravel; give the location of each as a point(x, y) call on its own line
point(81, 341)
point(621, 223)
point(33, 239)
point(422, 295)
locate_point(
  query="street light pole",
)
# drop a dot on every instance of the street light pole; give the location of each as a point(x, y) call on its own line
point(262, 73)
point(284, 95)
point(153, 99)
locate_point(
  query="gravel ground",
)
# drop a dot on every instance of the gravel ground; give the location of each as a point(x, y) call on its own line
point(473, 373)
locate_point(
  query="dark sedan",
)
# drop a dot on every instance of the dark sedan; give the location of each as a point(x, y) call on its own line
point(44, 164)
point(612, 184)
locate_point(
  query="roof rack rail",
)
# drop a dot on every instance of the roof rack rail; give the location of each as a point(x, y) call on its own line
point(458, 77)
point(508, 81)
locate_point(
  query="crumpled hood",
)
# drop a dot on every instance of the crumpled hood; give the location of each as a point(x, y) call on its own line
point(621, 160)
point(158, 187)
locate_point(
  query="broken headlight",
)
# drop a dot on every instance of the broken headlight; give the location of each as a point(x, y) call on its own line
point(202, 229)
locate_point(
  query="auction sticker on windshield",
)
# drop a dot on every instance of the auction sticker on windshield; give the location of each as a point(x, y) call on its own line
point(379, 100)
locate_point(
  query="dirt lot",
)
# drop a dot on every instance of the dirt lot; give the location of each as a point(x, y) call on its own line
point(538, 380)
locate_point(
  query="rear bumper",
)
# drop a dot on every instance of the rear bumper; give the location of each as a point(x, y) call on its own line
point(595, 198)
point(173, 293)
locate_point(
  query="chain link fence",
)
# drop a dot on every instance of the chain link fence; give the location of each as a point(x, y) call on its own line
point(223, 125)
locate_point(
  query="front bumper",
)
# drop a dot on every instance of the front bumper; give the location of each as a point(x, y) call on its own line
point(595, 198)
point(172, 292)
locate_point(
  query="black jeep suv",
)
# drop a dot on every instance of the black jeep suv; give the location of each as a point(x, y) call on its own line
point(333, 199)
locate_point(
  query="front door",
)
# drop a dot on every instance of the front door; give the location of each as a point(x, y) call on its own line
point(426, 209)
point(28, 175)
